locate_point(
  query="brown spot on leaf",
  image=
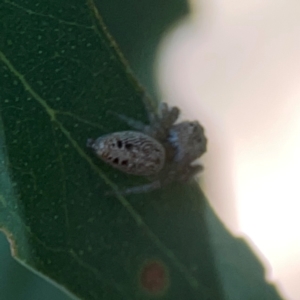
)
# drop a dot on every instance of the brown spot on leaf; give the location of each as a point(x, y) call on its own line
point(154, 277)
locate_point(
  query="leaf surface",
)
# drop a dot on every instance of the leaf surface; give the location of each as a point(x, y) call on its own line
point(61, 76)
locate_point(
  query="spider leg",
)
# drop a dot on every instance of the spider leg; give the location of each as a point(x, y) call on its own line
point(160, 123)
point(139, 189)
point(189, 172)
point(137, 125)
point(151, 109)
point(167, 117)
point(171, 116)
point(163, 110)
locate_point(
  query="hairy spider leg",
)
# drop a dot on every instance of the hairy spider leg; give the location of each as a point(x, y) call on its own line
point(159, 128)
point(139, 189)
point(153, 117)
point(161, 121)
point(135, 124)
point(167, 117)
point(189, 172)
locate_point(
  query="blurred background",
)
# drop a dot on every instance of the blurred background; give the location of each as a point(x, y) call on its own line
point(234, 66)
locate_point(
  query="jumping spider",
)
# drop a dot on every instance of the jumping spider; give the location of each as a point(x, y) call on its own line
point(162, 151)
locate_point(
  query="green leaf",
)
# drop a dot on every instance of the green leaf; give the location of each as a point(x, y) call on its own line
point(19, 283)
point(138, 27)
point(60, 77)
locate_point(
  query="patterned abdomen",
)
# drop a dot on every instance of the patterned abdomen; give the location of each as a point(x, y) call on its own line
point(131, 152)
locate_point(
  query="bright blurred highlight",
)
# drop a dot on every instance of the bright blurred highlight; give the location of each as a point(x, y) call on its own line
point(235, 66)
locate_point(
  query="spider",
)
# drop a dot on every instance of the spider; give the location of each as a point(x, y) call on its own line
point(162, 151)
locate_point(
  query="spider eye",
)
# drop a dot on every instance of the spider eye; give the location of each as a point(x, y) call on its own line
point(128, 146)
point(120, 144)
point(193, 125)
point(124, 163)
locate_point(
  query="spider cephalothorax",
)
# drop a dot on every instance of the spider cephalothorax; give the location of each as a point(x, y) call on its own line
point(163, 150)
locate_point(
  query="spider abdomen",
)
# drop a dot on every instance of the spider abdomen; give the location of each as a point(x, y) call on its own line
point(132, 152)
